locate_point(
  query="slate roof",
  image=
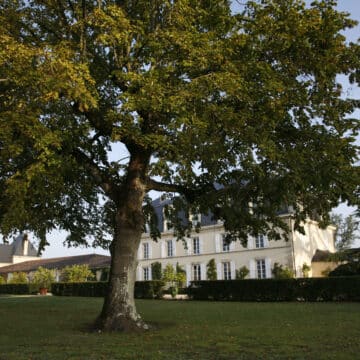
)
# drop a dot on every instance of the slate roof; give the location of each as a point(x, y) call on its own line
point(94, 261)
point(7, 251)
point(18, 247)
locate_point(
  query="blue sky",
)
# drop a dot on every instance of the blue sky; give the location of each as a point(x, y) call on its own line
point(56, 238)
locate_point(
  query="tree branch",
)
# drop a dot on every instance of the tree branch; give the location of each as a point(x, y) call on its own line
point(97, 174)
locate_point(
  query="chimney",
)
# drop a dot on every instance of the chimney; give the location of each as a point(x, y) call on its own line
point(25, 245)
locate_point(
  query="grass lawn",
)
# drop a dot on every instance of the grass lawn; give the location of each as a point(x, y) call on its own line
point(56, 328)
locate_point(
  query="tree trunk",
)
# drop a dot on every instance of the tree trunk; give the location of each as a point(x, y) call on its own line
point(119, 310)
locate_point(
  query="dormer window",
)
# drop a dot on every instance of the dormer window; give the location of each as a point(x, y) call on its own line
point(167, 225)
point(195, 219)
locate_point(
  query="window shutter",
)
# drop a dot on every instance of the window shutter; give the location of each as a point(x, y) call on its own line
point(250, 244)
point(139, 253)
point(163, 249)
point(188, 274)
point(150, 273)
point(201, 245)
point(174, 247)
point(188, 245)
point(268, 267)
point(203, 271)
point(232, 246)
point(252, 268)
point(219, 271)
point(232, 269)
point(150, 251)
point(266, 241)
point(139, 273)
point(217, 242)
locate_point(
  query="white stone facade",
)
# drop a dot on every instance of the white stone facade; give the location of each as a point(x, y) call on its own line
point(259, 256)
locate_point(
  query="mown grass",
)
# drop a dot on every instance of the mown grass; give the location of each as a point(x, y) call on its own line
point(49, 328)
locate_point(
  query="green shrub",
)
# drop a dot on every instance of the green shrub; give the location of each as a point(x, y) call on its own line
point(2, 280)
point(143, 289)
point(19, 278)
point(242, 273)
point(281, 272)
point(349, 269)
point(149, 289)
point(156, 271)
point(211, 273)
point(15, 289)
point(43, 278)
point(77, 273)
point(305, 270)
point(305, 289)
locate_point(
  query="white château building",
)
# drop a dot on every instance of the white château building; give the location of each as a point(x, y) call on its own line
point(259, 256)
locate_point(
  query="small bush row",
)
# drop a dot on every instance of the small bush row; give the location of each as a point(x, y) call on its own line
point(15, 289)
point(143, 289)
point(305, 289)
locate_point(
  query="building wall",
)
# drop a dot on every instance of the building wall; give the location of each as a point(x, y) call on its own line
point(211, 247)
point(19, 259)
point(305, 245)
point(299, 249)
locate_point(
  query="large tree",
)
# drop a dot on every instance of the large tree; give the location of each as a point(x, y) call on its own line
point(238, 114)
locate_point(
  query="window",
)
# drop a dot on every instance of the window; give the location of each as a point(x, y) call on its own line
point(225, 244)
point(145, 250)
point(166, 217)
point(260, 241)
point(196, 272)
point(195, 219)
point(170, 249)
point(146, 273)
point(196, 245)
point(261, 269)
point(226, 271)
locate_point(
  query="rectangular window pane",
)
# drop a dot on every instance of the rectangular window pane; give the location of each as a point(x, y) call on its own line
point(260, 241)
point(146, 273)
point(196, 245)
point(170, 250)
point(225, 244)
point(226, 271)
point(261, 270)
point(196, 272)
point(146, 250)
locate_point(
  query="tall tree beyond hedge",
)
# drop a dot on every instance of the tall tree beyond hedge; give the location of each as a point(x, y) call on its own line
point(223, 109)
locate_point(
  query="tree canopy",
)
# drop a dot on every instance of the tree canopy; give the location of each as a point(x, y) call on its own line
point(227, 110)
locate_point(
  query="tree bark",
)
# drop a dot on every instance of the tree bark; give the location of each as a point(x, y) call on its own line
point(119, 310)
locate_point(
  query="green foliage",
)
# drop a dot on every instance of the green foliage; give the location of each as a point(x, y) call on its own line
point(15, 289)
point(179, 84)
point(156, 272)
point(211, 273)
point(19, 278)
point(195, 94)
point(281, 272)
point(305, 289)
point(2, 280)
point(143, 289)
point(305, 270)
point(242, 273)
point(43, 278)
point(349, 269)
point(347, 231)
point(77, 273)
point(174, 277)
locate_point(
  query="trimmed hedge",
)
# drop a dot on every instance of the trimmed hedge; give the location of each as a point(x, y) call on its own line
point(15, 289)
point(143, 289)
point(305, 289)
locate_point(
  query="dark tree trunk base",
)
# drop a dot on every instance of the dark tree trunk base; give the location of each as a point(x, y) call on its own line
point(122, 324)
